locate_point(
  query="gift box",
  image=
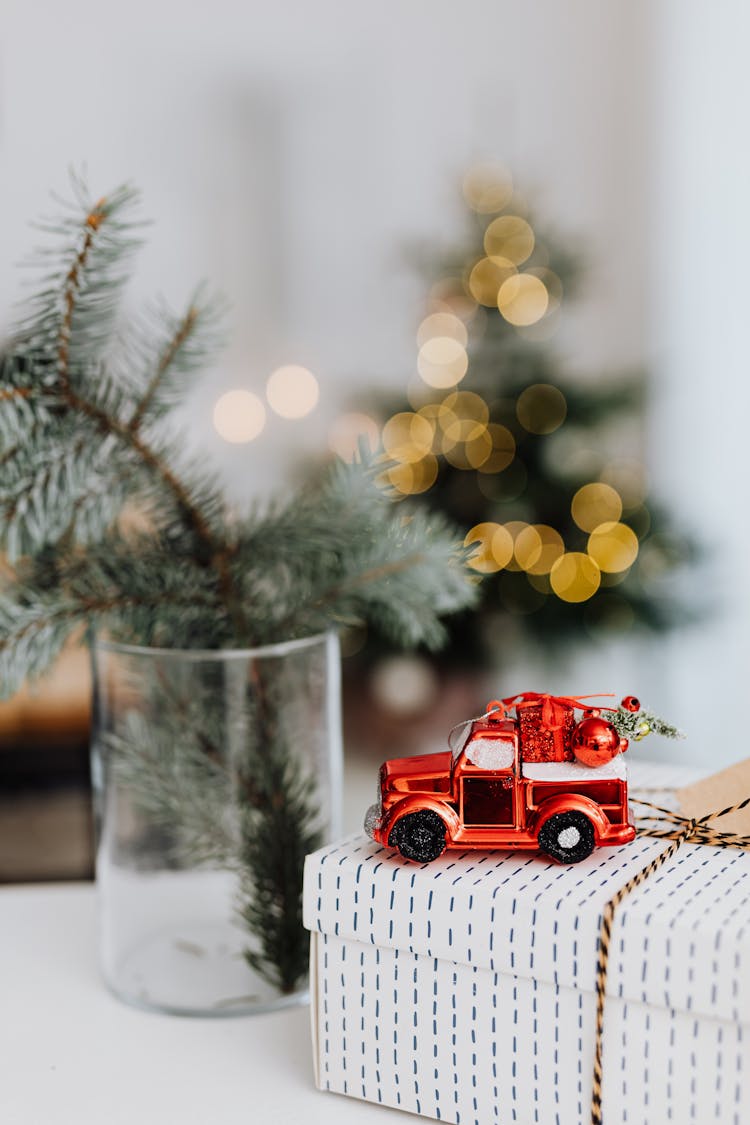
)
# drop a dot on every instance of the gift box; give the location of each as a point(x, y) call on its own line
point(464, 989)
point(546, 731)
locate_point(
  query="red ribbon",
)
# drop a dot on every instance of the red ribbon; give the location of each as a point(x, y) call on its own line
point(552, 716)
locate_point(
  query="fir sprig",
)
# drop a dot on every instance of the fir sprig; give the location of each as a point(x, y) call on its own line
point(82, 402)
point(636, 725)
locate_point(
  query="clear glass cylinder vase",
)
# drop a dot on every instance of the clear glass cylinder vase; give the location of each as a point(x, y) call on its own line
point(214, 773)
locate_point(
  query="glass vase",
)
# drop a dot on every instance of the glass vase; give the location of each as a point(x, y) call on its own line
point(214, 773)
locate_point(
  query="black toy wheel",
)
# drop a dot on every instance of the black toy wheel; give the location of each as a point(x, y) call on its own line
point(419, 836)
point(567, 837)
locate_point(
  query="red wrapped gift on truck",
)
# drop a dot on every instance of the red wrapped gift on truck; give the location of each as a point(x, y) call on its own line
point(535, 771)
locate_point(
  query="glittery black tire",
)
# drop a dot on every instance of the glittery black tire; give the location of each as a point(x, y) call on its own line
point(552, 829)
point(419, 836)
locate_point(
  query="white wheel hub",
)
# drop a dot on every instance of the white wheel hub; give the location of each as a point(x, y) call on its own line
point(569, 837)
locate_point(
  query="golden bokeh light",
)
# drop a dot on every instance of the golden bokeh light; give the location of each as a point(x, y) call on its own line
point(487, 278)
point(494, 547)
point(503, 449)
point(469, 453)
point(594, 504)
point(515, 528)
point(467, 405)
point(613, 546)
point(292, 391)
point(527, 547)
point(238, 416)
point(487, 187)
point(541, 408)
point(436, 413)
point(463, 418)
point(411, 478)
point(538, 548)
point(523, 299)
point(442, 324)
point(442, 362)
point(575, 577)
point(407, 437)
point(349, 431)
point(509, 237)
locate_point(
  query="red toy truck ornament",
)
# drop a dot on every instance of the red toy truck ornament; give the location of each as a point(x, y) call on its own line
point(535, 771)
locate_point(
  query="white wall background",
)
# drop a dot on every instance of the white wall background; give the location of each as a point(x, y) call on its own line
point(289, 151)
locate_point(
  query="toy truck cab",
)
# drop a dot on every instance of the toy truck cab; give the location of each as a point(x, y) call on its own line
point(484, 794)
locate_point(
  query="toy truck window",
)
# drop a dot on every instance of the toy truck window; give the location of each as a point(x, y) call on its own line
point(491, 754)
point(458, 738)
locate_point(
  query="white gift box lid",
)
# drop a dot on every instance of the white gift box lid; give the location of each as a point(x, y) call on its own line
point(680, 941)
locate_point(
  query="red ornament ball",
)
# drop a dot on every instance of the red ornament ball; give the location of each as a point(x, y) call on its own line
point(595, 741)
point(631, 703)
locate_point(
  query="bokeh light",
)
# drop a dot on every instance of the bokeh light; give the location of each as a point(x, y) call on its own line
point(238, 416)
point(503, 449)
point(472, 452)
point(541, 408)
point(613, 546)
point(348, 431)
point(407, 437)
point(538, 548)
point(487, 187)
point(575, 577)
point(594, 504)
point(515, 528)
point(442, 362)
point(494, 547)
point(509, 237)
point(487, 277)
point(292, 391)
point(523, 299)
point(442, 324)
point(527, 547)
point(465, 439)
point(410, 478)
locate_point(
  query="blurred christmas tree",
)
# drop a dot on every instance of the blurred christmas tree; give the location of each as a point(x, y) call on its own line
point(541, 464)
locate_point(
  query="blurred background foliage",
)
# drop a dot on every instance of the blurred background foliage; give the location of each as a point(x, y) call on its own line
point(541, 464)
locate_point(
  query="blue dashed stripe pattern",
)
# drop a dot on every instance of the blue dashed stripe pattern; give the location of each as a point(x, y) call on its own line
point(463, 989)
point(680, 941)
point(457, 1043)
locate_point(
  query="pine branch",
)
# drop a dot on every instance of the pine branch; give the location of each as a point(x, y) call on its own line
point(79, 441)
point(637, 725)
point(182, 333)
point(73, 281)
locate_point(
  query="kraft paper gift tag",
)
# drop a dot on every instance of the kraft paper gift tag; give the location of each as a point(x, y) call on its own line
point(717, 792)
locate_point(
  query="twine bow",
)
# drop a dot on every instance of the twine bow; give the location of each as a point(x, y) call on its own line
point(678, 829)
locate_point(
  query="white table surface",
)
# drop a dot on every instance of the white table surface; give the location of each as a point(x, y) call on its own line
point(71, 1054)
